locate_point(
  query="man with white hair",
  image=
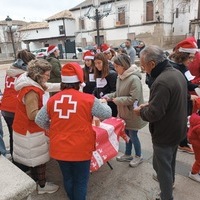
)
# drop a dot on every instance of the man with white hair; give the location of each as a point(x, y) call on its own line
point(166, 113)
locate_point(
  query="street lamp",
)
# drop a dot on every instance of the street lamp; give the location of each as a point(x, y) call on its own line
point(157, 16)
point(98, 16)
point(9, 24)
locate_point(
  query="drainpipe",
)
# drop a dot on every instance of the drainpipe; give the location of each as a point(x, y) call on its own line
point(129, 16)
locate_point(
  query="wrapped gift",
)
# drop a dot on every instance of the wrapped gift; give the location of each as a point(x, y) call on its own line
point(107, 141)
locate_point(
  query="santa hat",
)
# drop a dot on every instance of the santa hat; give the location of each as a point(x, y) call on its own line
point(88, 55)
point(105, 48)
point(189, 45)
point(72, 73)
point(51, 49)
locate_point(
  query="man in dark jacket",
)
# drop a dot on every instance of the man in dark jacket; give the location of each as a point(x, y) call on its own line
point(53, 54)
point(167, 114)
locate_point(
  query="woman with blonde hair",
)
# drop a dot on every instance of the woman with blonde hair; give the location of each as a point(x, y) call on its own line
point(128, 93)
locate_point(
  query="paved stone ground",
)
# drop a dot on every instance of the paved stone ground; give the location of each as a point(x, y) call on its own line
point(123, 182)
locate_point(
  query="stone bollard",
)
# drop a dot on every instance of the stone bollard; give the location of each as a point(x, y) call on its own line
point(14, 183)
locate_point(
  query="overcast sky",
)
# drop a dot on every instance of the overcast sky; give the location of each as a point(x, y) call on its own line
point(34, 10)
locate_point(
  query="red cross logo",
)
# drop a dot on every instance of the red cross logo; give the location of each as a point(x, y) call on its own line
point(68, 108)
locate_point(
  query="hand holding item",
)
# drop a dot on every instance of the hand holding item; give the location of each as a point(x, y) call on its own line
point(137, 110)
point(106, 98)
point(103, 100)
point(144, 105)
point(96, 121)
point(193, 97)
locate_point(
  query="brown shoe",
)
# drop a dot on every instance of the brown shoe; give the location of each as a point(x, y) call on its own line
point(186, 149)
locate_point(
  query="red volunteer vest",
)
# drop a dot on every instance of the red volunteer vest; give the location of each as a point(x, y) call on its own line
point(72, 137)
point(22, 123)
point(8, 102)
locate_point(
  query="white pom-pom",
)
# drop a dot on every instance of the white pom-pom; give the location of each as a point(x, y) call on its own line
point(83, 84)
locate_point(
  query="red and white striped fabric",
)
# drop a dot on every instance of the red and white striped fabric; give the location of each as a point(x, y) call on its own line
point(107, 141)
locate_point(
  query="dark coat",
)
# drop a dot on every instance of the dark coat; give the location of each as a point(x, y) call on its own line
point(167, 109)
point(110, 87)
point(55, 75)
point(182, 68)
point(190, 86)
point(90, 85)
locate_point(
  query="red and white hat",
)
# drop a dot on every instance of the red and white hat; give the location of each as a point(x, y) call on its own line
point(88, 55)
point(189, 45)
point(72, 73)
point(105, 48)
point(51, 49)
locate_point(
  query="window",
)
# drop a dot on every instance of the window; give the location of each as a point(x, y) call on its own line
point(107, 8)
point(61, 30)
point(122, 15)
point(177, 12)
point(81, 23)
point(149, 11)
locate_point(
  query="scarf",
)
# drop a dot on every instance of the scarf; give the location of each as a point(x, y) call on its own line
point(159, 68)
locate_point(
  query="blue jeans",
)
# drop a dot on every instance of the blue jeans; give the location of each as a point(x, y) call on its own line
point(2, 145)
point(134, 140)
point(75, 176)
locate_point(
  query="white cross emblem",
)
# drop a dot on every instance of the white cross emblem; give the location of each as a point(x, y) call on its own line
point(67, 111)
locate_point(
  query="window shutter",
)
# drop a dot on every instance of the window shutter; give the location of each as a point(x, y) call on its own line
point(149, 11)
point(121, 15)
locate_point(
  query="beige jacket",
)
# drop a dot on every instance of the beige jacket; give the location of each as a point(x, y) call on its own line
point(129, 89)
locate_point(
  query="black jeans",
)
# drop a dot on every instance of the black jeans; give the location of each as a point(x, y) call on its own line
point(9, 122)
point(9, 118)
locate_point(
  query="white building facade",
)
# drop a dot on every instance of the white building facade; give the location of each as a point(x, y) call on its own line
point(159, 22)
point(56, 30)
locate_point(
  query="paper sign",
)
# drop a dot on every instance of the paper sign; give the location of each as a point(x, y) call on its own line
point(189, 76)
point(101, 82)
point(91, 78)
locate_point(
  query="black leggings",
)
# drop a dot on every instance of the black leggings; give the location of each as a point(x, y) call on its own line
point(9, 122)
point(184, 143)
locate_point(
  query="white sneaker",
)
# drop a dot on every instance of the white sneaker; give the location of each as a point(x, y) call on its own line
point(136, 161)
point(195, 177)
point(48, 188)
point(124, 158)
point(8, 156)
